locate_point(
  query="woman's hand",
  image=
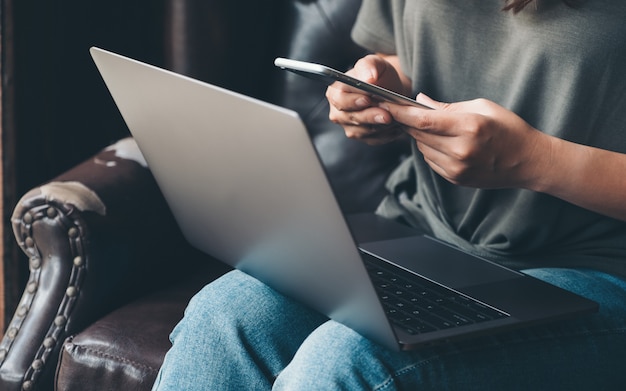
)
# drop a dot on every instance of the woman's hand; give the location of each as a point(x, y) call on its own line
point(481, 144)
point(357, 111)
point(476, 143)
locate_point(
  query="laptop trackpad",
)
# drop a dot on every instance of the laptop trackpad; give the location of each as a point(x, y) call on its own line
point(438, 261)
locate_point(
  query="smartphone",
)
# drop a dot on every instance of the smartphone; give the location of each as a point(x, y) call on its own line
point(329, 75)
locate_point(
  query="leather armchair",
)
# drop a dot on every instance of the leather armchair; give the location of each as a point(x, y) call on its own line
point(110, 273)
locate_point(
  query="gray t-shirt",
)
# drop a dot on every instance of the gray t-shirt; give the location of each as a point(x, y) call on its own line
point(561, 69)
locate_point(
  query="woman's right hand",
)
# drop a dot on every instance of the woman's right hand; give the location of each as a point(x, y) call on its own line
point(357, 112)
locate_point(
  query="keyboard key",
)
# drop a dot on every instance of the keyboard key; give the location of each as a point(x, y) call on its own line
point(419, 305)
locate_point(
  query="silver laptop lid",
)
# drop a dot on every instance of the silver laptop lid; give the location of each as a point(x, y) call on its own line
point(245, 185)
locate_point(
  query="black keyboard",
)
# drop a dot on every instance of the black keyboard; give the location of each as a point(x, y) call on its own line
point(418, 305)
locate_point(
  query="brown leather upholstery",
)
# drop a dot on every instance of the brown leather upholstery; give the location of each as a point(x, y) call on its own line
point(131, 340)
point(110, 271)
point(92, 237)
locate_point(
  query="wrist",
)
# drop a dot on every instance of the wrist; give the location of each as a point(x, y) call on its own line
point(542, 163)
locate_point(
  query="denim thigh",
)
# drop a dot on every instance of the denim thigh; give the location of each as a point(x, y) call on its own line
point(238, 333)
point(577, 354)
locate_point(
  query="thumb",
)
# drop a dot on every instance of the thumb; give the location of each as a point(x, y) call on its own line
point(369, 68)
point(430, 102)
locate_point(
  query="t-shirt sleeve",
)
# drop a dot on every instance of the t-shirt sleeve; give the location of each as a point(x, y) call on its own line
point(374, 29)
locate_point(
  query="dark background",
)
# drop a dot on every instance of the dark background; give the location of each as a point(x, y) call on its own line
point(56, 111)
point(63, 114)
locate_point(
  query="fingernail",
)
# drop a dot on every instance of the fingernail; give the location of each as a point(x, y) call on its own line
point(362, 102)
point(425, 99)
point(380, 119)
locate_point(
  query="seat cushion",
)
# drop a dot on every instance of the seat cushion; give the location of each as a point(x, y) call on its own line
point(125, 349)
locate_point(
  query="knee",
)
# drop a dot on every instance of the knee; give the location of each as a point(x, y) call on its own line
point(220, 295)
point(228, 303)
point(334, 341)
point(333, 357)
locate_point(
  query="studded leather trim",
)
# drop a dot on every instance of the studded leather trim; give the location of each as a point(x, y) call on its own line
point(61, 216)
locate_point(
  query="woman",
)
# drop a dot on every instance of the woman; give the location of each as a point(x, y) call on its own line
point(531, 175)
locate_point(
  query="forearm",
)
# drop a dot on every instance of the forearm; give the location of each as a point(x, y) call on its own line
point(481, 144)
point(591, 178)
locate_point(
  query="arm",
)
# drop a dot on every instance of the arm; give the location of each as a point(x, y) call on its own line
point(589, 177)
point(480, 144)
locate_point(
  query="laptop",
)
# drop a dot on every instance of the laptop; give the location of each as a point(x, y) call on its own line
point(246, 186)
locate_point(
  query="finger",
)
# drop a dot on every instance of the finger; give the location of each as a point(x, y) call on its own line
point(411, 116)
point(479, 106)
point(365, 69)
point(369, 117)
point(436, 122)
point(374, 135)
point(438, 161)
point(430, 102)
point(368, 68)
point(345, 99)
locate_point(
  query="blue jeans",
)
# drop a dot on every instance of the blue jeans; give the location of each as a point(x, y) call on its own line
point(239, 334)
